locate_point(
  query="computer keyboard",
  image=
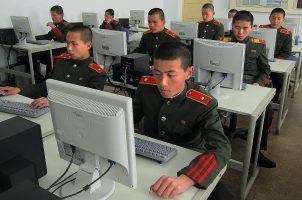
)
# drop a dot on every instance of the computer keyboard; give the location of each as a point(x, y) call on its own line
point(39, 42)
point(153, 150)
point(23, 109)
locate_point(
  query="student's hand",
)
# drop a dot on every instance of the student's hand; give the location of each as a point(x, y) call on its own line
point(257, 84)
point(10, 90)
point(51, 25)
point(169, 187)
point(40, 102)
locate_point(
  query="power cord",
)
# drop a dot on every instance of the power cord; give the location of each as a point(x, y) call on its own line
point(224, 76)
point(86, 187)
point(63, 182)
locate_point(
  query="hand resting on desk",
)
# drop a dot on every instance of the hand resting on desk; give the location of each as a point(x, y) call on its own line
point(10, 90)
point(40, 102)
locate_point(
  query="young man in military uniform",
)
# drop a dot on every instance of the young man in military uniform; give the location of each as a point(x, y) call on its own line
point(256, 71)
point(283, 45)
point(180, 112)
point(157, 34)
point(59, 28)
point(110, 23)
point(209, 28)
point(75, 67)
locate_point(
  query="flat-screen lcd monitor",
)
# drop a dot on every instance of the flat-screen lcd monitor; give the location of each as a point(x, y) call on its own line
point(97, 128)
point(23, 29)
point(185, 30)
point(90, 19)
point(137, 18)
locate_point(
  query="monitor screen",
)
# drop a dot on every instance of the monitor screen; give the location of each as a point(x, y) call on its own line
point(137, 18)
point(216, 61)
point(227, 24)
point(90, 19)
point(99, 126)
point(124, 22)
point(293, 21)
point(293, 28)
point(269, 35)
point(185, 30)
point(23, 29)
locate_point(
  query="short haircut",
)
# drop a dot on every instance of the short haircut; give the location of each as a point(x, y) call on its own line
point(58, 9)
point(158, 11)
point(208, 6)
point(233, 10)
point(110, 12)
point(172, 51)
point(85, 32)
point(243, 15)
point(278, 10)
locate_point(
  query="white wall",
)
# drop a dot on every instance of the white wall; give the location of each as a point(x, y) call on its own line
point(38, 10)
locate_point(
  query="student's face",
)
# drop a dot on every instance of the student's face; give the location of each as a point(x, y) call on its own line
point(207, 14)
point(231, 15)
point(156, 25)
point(170, 77)
point(241, 29)
point(276, 20)
point(108, 17)
point(78, 49)
point(56, 17)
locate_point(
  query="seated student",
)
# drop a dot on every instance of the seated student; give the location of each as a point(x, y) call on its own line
point(209, 28)
point(283, 45)
point(157, 34)
point(231, 13)
point(75, 67)
point(256, 71)
point(183, 114)
point(110, 23)
point(59, 28)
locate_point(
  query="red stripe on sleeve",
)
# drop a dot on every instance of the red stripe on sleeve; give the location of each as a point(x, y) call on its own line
point(57, 32)
point(196, 165)
point(202, 167)
point(213, 164)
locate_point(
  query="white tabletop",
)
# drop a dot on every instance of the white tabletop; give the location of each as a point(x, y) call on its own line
point(38, 48)
point(282, 66)
point(45, 120)
point(297, 48)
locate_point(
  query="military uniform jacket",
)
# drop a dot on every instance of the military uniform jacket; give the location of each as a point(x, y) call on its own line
point(79, 72)
point(113, 25)
point(189, 120)
point(283, 45)
point(256, 67)
point(150, 41)
point(58, 33)
point(210, 30)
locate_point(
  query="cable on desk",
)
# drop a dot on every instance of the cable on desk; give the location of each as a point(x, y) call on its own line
point(224, 76)
point(86, 187)
point(63, 185)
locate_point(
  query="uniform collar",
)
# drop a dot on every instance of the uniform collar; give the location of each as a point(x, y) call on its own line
point(210, 22)
point(61, 22)
point(82, 62)
point(160, 33)
point(181, 96)
point(244, 41)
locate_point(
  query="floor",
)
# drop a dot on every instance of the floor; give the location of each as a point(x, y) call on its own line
point(284, 181)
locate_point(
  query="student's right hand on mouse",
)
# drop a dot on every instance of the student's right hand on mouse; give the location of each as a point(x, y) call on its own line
point(10, 90)
point(40, 102)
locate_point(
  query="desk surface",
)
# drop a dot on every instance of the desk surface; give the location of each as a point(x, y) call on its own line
point(148, 171)
point(45, 120)
point(282, 66)
point(297, 48)
point(33, 47)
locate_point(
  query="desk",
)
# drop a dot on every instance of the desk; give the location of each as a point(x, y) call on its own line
point(148, 172)
point(133, 29)
point(250, 102)
point(297, 49)
point(33, 48)
point(45, 120)
point(284, 67)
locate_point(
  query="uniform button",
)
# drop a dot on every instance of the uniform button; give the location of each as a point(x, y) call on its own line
point(74, 65)
point(67, 75)
point(155, 45)
point(202, 37)
point(156, 38)
point(163, 119)
point(205, 31)
point(168, 103)
point(202, 98)
point(207, 25)
point(162, 133)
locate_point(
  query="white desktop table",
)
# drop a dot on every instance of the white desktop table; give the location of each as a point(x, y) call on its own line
point(45, 120)
point(33, 48)
point(297, 49)
point(284, 67)
point(250, 102)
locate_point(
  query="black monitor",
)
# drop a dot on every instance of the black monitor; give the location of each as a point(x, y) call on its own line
point(21, 152)
point(124, 22)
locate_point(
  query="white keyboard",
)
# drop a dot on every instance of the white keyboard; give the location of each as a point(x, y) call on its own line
point(39, 42)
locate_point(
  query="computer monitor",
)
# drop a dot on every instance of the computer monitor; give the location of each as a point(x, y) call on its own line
point(90, 19)
point(269, 35)
point(99, 126)
point(218, 63)
point(137, 18)
point(294, 29)
point(23, 29)
point(227, 24)
point(293, 21)
point(124, 22)
point(185, 30)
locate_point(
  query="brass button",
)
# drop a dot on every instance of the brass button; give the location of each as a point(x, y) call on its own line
point(168, 103)
point(67, 75)
point(74, 65)
point(163, 119)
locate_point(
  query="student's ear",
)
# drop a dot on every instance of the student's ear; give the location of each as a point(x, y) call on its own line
point(189, 72)
point(164, 22)
point(89, 45)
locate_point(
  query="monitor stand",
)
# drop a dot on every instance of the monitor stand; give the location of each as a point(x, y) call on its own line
point(217, 93)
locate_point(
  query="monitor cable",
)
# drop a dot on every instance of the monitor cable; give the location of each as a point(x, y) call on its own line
point(224, 76)
point(86, 187)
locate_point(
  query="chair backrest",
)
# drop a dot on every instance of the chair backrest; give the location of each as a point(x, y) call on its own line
point(126, 30)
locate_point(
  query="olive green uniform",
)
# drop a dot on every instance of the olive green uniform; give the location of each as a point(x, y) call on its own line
point(79, 72)
point(113, 25)
point(283, 45)
point(210, 30)
point(150, 41)
point(58, 33)
point(189, 120)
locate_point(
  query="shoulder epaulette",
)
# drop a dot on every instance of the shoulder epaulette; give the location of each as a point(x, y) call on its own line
point(96, 68)
point(65, 23)
point(147, 80)
point(257, 41)
point(217, 23)
point(264, 26)
point(148, 31)
point(171, 33)
point(62, 56)
point(199, 97)
point(285, 31)
point(200, 22)
point(225, 39)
